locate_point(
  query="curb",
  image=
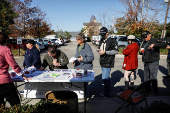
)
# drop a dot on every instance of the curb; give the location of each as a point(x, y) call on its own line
point(17, 57)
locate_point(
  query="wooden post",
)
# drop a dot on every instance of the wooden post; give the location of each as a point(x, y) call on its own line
point(166, 18)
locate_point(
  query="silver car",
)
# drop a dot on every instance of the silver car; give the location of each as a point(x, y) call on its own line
point(122, 41)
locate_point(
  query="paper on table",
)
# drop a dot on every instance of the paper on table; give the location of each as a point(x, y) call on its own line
point(72, 59)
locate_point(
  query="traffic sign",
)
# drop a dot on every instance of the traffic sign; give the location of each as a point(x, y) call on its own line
point(19, 40)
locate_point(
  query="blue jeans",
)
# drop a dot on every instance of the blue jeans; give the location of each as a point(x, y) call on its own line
point(106, 80)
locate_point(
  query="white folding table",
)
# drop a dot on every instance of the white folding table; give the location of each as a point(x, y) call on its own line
point(43, 81)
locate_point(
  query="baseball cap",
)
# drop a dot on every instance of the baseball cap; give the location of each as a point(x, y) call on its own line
point(103, 31)
point(145, 33)
point(131, 37)
point(30, 41)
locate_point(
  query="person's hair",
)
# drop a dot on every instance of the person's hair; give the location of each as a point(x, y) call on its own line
point(37, 47)
point(80, 36)
point(52, 49)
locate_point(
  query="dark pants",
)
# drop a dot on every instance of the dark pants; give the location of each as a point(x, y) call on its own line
point(168, 65)
point(150, 73)
point(9, 92)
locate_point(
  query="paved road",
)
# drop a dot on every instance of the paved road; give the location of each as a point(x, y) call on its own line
point(117, 81)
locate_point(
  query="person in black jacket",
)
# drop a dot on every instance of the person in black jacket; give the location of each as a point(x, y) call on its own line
point(107, 50)
point(150, 50)
point(32, 55)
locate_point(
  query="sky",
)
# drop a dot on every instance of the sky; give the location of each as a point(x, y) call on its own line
point(69, 15)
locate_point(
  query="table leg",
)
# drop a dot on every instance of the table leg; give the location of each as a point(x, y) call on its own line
point(84, 97)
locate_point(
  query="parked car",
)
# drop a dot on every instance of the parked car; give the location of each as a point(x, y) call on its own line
point(12, 43)
point(46, 42)
point(98, 40)
point(59, 41)
point(94, 39)
point(87, 39)
point(52, 42)
point(65, 40)
point(138, 40)
point(122, 41)
point(40, 45)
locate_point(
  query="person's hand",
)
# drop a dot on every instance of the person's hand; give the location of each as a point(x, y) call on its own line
point(80, 58)
point(140, 51)
point(23, 67)
point(101, 52)
point(167, 47)
point(151, 46)
point(42, 68)
point(25, 78)
point(73, 63)
point(56, 64)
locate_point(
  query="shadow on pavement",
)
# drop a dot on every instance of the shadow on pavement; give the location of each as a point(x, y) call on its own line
point(97, 84)
point(163, 70)
point(140, 73)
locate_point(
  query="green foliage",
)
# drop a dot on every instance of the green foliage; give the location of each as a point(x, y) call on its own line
point(168, 30)
point(120, 50)
point(40, 107)
point(163, 51)
point(67, 34)
point(7, 16)
point(157, 107)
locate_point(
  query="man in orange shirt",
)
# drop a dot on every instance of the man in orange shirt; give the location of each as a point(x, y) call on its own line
point(130, 63)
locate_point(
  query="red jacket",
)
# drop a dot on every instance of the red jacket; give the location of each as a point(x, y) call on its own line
point(131, 57)
point(6, 59)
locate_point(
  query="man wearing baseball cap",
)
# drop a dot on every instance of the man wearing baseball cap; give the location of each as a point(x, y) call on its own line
point(107, 50)
point(150, 58)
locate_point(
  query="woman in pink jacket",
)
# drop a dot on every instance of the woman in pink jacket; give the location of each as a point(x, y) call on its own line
point(7, 87)
point(130, 63)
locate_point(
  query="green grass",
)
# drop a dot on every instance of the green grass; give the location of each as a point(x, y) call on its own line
point(16, 52)
point(162, 51)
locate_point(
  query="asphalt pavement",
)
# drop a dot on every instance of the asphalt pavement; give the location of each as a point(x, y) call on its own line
point(109, 105)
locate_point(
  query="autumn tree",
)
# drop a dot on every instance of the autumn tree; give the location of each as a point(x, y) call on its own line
point(140, 15)
point(7, 16)
point(38, 25)
point(31, 21)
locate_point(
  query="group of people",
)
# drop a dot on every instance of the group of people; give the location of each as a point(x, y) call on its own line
point(107, 49)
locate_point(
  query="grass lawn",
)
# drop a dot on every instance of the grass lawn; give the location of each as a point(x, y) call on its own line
point(16, 52)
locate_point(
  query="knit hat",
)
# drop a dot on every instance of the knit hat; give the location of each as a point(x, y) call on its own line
point(131, 37)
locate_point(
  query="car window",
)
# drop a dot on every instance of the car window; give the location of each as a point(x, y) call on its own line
point(123, 39)
point(24, 41)
point(138, 39)
point(11, 41)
